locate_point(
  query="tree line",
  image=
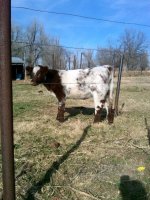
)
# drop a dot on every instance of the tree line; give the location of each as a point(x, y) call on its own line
point(34, 46)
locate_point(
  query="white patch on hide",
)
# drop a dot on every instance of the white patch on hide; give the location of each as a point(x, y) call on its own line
point(36, 69)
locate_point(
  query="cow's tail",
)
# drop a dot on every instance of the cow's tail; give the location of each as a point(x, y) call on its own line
point(111, 110)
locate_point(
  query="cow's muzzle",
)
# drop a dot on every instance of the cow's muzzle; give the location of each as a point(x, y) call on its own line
point(33, 82)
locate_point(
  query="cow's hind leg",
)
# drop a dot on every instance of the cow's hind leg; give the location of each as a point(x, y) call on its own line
point(99, 105)
point(111, 113)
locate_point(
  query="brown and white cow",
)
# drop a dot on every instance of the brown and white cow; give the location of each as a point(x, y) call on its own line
point(78, 84)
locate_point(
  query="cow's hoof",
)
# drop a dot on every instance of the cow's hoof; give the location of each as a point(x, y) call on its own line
point(111, 119)
point(96, 120)
point(60, 119)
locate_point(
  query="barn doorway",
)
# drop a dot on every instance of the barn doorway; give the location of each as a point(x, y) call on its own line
point(18, 70)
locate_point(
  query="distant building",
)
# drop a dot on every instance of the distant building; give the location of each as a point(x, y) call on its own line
point(18, 68)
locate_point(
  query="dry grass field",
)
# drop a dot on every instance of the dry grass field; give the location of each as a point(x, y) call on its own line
point(79, 160)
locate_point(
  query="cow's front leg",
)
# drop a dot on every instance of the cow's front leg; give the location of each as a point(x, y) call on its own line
point(99, 105)
point(97, 117)
point(61, 111)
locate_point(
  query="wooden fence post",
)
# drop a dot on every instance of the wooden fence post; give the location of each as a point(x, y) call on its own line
point(6, 110)
point(148, 130)
point(53, 60)
point(74, 62)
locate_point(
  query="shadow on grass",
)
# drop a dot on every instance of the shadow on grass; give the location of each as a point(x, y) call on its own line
point(30, 195)
point(132, 189)
point(74, 111)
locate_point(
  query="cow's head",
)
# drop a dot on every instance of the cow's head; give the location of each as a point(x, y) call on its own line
point(29, 70)
point(37, 74)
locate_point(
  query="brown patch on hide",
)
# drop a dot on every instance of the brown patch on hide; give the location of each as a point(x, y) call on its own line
point(97, 117)
point(39, 77)
point(110, 68)
point(53, 83)
point(103, 101)
point(87, 74)
point(93, 88)
point(103, 78)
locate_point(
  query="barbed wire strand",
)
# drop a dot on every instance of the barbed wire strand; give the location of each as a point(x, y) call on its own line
point(76, 15)
point(77, 48)
point(80, 16)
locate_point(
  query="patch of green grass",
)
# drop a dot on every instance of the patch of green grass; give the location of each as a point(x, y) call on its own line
point(21, 108)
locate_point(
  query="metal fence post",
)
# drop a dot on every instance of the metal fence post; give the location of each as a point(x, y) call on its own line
point(118, 85)
point(6, 113)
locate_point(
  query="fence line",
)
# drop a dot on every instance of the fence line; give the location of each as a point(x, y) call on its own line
point(80, 16)
point(76, 48)
point(59, 46)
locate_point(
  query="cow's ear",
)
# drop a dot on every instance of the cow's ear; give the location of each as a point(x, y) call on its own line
point(29, 69)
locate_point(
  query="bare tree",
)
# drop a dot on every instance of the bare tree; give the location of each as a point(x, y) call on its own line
point(54, 55)
point(143, 62)
point(34, 37)
point(104, 56)
point(16, 38)
point(34, 46)
point(88, 59)
point(109, 56)
point(133, 44)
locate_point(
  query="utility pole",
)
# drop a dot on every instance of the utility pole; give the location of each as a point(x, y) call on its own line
point(6, 113)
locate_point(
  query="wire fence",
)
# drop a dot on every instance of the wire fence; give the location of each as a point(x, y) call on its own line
point(78, 16)
point(7, 131)
point(61, 46)
point(117, 51)
point(72, 62)
point(81, 16)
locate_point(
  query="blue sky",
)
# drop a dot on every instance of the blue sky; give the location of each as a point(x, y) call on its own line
point(78, 32)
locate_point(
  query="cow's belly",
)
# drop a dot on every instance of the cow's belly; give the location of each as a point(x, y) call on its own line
point(76, 93)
